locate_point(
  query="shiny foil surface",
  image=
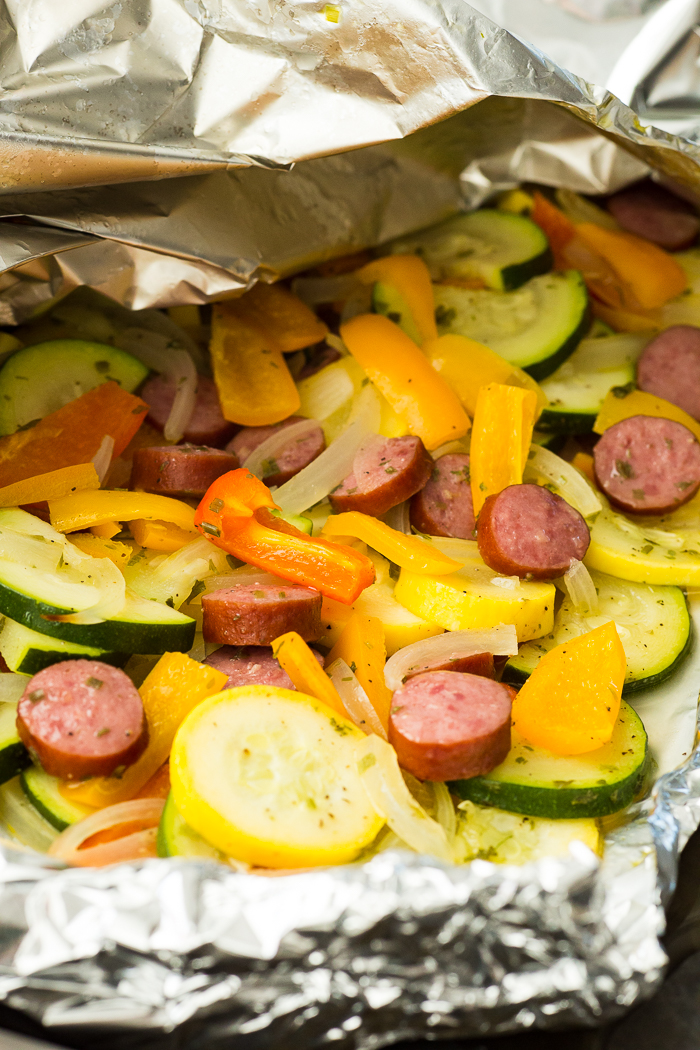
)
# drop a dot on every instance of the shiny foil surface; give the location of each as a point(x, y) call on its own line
point(300, 131)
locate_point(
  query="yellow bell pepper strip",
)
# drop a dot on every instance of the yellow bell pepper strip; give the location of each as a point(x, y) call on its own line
point(297, 659)
point(584, 462)
point(570, 703)
point(501, 437)
point(82, 510)
point(235, 516)
point(287, 322)
point(363, 648)
point(410, 552)
point(53, 485)
point(159, 535)
point(406, 379)
point(409, 276)
point(97, 547)
point(173, 688)
point(255, 386)
point(107, 530)
point(652, 274)
point(622, 403)
point(467, 366)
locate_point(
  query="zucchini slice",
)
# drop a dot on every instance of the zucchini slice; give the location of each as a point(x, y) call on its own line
point(497, 247)
point(43, 792)
point(388, 301)
point(491, 834)
point(653, 624)
point(14, 756)
point(177, 839)
point(536, 327)
point(28, 652)
point(40, 379)
point(566, 787)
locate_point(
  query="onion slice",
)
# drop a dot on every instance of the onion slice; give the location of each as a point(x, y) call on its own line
point(103, 457)
point(453, 645)
point(355, 700)
point(569, 482)
point(327, 471)
point(581, 589)
point(273, 445)
point(379, 771)
point(135, 846)
point(399, 518)
point(155, 351)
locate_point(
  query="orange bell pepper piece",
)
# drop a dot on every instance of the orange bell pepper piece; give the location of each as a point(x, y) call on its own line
point(107, 530)
point(570, 702)
point(409, 275)
point(622, 404)
point(296, 658)
point(556, 226)
point(54, 485)
point(98, 547)
point(173, 688)
point(286, 321)
point(363, 647)
point(583, 462)
point(623, 320)
point(72, 434)
point(235, 516)
point(652, 274)
point(406, 379)
point(159, 535)
point(501, 437)
point(410, 552)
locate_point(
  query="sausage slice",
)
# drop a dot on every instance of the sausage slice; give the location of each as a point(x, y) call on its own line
point(648, 465)
point(444, 507)
point(252, 665)
point(82, 718)
point(292, 458)
point(482, 664)
point(257, 613)
point(179, 470)
point(383, 476)
point(528, 531)
point(207, 425)
point(656, 214)
point(449, 726)
point(670, 368)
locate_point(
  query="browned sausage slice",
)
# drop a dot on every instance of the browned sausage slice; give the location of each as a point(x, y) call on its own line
point(318, 357)
point(293, 457)
point(482, 664)
point(670, 368)
point(444, 507)
point(654, 213)
point(450, 726)
point(648, 465)
point(252, 665)
point(179, 470)
point(207, 425)
point(528, 531)
point(82, 718)
point(383, 476)
point(257, 613)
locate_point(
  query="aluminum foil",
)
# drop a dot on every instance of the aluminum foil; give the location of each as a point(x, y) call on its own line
point(390, 117)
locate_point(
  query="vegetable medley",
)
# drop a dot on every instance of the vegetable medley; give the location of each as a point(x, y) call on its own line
point(366, 559)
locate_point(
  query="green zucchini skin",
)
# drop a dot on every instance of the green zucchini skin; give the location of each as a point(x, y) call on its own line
point(14, 756)
point(517, 274)
point(566, 422)
point(37, 659)
point(609, 785)
point(541, 369)
point(176, 839)
point(43, 792)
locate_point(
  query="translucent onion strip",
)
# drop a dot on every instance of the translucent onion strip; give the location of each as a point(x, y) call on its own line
point(273, 445)
point(570, 484)
point(445, 810)
point(355, 699)
point(380, 773)
point(12, 686)
point(103, 457)
point(581, 589)
point(135, 846)
point(244, 575)
point(314, 482)
point(177, 365)
point(453, 645)
point(399, 518)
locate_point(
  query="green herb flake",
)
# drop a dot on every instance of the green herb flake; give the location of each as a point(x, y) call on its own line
point(211, 530)
point(624, 469)
point(94, 683)
point(366, 763)
point(216, 506)
point(36, 695)
point(103, 731)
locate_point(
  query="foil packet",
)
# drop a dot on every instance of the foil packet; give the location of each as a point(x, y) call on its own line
point(280, 136)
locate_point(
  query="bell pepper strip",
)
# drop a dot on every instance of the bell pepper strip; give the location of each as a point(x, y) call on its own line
point(652, 274)
point(570, 703)
point(173, 688)
point(410, 552)
point(467, 366)
point(584, 462)
point(119, 553)
point(235, 515)
point(287, 322)
point(159, 535)
point(53, 485)
point(72, 434)
point(406, 379)
point(82, 510)
point(410, 278)
point(622, 403)
point(106, 531)
point(159, 784)
point(363, 648)
point(557, 227)
point(296, 658)
point(624, 320)
point(501, 436)
point(255, 386)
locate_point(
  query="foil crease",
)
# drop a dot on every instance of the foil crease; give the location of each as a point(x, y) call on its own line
point(297, 138)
